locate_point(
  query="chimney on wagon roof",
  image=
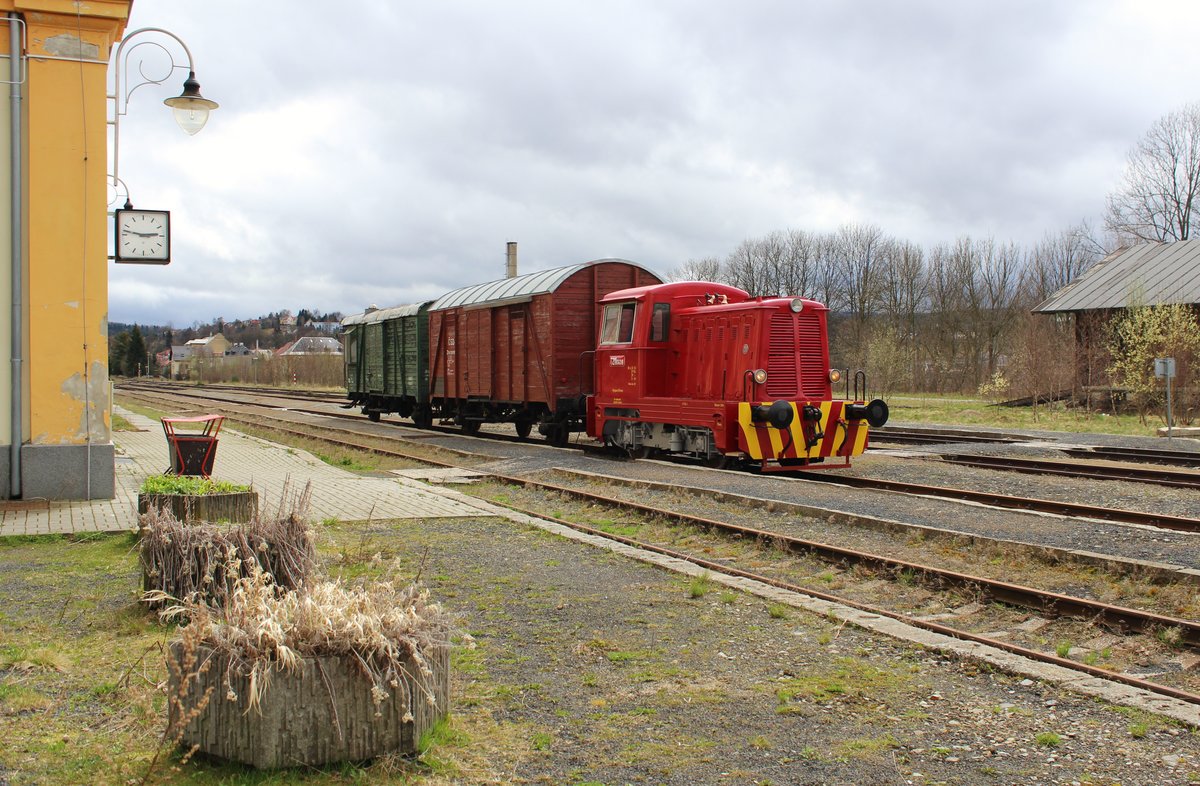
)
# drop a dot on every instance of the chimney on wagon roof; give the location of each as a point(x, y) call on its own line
point(510, 270)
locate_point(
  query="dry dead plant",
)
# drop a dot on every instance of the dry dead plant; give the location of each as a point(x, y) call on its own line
point(205, 561)
point(381, 626)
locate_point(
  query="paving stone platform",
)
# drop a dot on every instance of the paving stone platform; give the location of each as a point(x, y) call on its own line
point(277, 472)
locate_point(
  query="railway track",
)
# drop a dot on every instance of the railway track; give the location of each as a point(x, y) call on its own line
point(1177, 458)
point(1115, 618)
point(914, 436)
point(1159, 477)
point(1055, 507)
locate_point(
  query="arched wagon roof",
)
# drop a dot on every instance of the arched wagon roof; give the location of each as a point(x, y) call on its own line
point(383, 314)
point(519, 288)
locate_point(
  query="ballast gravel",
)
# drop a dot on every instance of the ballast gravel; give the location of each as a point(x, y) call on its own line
point(593, 668)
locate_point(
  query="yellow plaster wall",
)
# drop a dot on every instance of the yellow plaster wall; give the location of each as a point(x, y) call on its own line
point(66, 222)
point(5, 242)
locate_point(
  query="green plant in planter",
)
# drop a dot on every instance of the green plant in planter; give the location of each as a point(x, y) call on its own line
point(189, 484)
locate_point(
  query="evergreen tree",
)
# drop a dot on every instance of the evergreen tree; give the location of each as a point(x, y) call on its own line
point(117, 348)
point(135, 353)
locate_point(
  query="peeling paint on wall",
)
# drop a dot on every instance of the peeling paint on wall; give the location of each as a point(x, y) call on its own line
point(67, 45)
point(93, 395)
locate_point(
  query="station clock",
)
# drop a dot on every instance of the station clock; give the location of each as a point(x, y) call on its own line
point(143, 236)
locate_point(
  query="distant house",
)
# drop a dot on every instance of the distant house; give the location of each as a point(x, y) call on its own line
point(287, 323)
point(311, 345)
point(1148, 274)
point(210, 346)
point(238, 350)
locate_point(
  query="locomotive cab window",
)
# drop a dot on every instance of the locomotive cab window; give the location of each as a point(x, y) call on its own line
point(618, 323)
point(660, 321)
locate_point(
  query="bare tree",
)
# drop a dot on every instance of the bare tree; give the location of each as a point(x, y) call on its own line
point(1057, 261)
point(746, 269)
point(1158, 198)
point(858, 256)
point(703, 269)
point(801, 264)
point(904, 286)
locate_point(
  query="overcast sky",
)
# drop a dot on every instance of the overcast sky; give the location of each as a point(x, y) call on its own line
point(384, 151)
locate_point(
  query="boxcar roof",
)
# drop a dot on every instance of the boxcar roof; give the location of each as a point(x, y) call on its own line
point(381, 314)
point(1149, 273)
point(521, 287)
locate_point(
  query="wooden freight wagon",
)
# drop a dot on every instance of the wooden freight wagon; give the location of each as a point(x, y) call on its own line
point(387, 361)
point(520, 350)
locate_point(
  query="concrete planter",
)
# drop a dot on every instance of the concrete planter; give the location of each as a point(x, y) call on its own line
point(322, 712)
point(235, 507)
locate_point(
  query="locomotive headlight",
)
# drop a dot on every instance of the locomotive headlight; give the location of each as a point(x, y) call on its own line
point(835, 375)
point(760, 376)
point(797, 305)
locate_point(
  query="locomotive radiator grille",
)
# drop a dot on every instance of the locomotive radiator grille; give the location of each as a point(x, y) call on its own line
point(781, 357)
point(812, 368)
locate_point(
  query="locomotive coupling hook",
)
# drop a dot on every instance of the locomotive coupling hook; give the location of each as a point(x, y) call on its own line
point(876, 412)
point(779, 414)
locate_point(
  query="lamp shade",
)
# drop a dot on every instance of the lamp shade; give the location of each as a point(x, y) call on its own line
point(191, 109)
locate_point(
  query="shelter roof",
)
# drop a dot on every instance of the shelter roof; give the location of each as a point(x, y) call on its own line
point(1149, 274)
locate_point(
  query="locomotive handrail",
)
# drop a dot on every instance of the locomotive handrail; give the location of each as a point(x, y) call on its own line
point(748, 376)
point(863, 375)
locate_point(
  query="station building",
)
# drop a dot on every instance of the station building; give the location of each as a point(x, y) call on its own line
point(55, 399)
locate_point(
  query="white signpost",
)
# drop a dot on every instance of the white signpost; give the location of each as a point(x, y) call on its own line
point(1164, 368)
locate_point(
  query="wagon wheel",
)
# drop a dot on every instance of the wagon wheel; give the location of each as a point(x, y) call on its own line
point(524, 427)
point(470, 427)
point(422, 418)
point(373, 415)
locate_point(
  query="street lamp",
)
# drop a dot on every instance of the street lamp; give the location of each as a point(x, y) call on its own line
point(191, 109)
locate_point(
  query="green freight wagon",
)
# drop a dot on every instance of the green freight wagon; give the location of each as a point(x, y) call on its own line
point(387, 361)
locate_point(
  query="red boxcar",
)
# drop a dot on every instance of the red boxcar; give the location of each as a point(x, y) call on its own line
point(520, 350)
point(705, 369)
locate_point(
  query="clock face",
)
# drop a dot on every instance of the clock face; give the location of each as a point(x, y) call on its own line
point(143, 236)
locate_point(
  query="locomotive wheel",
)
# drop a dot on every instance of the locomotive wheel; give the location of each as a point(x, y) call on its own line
point(717, 461)
point(640, 452)
point(470, 427)
point(524, 427)
point(373, 416)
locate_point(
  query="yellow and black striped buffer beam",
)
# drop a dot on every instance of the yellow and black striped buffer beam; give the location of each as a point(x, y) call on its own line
point(840, 438)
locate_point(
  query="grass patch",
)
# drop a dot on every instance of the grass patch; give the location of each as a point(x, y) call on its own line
point(1048, 739)
point(121, 424)
point(844, 677)
point(956, 410)
point(189, 484)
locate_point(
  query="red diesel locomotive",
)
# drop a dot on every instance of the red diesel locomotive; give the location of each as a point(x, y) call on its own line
point(704, 369)
point(694, 368)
